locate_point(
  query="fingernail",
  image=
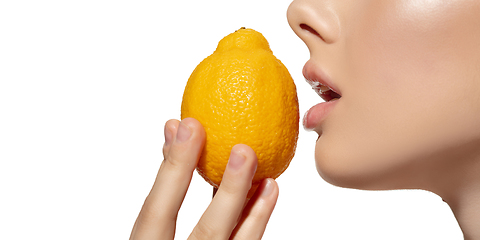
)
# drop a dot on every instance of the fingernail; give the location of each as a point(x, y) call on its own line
point(168, 135)
point(183, 133)
point(268, 189)
point(236, 160)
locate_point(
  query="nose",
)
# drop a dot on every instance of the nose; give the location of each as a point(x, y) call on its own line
point(314, 20)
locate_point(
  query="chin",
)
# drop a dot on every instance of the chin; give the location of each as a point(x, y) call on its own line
point(336, 168)
point(359, 169)
point(335, 173)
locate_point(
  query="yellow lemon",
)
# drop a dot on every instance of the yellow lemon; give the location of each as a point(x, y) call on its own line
point(243, 94)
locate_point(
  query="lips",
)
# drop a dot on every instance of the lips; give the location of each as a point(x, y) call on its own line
point(322, 85)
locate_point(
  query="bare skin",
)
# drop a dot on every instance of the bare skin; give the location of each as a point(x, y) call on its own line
point(409, 78)
point(227, 217)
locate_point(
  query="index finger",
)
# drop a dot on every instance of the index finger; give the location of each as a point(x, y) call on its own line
point(157, 218)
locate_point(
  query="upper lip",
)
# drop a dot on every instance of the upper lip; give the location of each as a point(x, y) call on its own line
point(320, 82)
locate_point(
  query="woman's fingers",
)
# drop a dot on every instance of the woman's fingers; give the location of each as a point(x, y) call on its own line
point(258, 211)
point(170, 130)
point(184, 142)
point(224, 211)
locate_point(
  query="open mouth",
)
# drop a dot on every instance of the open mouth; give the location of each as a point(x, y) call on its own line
point(320, 82)
point(324, 91)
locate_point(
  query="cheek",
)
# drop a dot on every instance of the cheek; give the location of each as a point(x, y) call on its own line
point(408, 95)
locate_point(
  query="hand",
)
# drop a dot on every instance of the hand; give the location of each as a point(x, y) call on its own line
point(226, 217)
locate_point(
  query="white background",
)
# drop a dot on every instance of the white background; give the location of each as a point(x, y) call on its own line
point(85, 90)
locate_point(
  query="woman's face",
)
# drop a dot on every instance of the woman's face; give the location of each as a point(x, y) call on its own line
point(408, 72)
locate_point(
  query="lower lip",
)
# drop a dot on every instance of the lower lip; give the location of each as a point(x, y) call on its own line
point(317, 114)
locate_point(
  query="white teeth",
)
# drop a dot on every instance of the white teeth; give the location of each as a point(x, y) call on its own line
point(313, 83)
point(318, 87)
point(324, 89)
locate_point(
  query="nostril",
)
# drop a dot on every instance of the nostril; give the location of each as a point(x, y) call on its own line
point(311, 30)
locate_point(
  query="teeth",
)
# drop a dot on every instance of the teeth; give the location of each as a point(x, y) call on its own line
point(324, 89)
point(319, 88)
point(313, 83)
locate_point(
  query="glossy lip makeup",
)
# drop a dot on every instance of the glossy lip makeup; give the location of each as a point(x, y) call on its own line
point(322, 85)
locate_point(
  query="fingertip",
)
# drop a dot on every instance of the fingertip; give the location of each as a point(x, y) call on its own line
point(268, 189)
point(187, 131)
point(247, 154)
point(246, 151)
point(195, 126)
point(172, 123)
point(239, 172)
point(271, 188)
point(170, 130)
point(187, 144)
point(236, 160)
point(172, 126)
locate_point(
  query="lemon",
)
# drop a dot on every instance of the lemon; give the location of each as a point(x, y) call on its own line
point(243, 94)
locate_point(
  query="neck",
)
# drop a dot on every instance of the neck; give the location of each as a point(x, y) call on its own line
point(467, 212)
point(457, 181)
